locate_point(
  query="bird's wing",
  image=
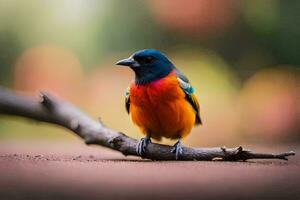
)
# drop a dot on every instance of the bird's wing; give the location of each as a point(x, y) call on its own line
point(127, 100)
point(190, 94)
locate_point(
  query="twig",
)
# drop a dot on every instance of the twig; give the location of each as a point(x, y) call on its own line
point(54, 111)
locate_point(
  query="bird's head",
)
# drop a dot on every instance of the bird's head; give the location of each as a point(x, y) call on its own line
point(148, 65)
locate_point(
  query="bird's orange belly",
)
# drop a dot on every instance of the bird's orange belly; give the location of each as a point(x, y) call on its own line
point(161, 110)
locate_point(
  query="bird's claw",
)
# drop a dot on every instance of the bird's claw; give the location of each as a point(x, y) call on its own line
point(177, 149)
point(142, 144)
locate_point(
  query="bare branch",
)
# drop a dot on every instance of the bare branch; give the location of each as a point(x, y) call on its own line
point(52, 110)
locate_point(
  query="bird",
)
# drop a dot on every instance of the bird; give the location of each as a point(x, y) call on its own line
point(160, 100)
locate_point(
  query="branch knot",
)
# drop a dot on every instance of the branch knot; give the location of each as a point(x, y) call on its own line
point(46, 101)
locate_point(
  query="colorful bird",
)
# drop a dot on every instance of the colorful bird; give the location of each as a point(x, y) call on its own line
point(160, 100)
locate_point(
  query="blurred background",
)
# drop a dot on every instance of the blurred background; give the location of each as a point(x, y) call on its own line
point(242, 57)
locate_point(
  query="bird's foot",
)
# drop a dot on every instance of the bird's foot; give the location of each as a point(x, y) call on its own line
point(142, 144)
point(177, 149)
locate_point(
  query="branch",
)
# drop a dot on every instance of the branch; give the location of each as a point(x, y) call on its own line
point(52, 110)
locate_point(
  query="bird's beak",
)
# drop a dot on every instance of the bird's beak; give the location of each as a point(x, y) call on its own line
point(128, 62)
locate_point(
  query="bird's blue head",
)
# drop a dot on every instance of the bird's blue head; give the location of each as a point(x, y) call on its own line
point(149, 65)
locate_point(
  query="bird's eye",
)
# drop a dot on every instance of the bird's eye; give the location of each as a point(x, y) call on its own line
point(148, 59)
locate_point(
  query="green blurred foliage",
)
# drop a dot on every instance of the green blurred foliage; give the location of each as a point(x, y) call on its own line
point(10, 48)
point(276, 25)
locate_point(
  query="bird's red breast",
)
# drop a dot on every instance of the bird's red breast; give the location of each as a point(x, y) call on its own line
point(160, 109)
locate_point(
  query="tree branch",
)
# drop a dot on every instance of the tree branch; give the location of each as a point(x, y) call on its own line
point(52, 110)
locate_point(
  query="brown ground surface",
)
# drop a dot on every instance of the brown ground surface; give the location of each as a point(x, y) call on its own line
point(39, 170)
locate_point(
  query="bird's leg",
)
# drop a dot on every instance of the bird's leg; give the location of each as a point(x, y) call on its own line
point(177, 149)
point(142, 144)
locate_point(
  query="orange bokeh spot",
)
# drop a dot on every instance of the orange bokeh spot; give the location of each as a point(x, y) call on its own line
point(270, 104)
point(48, 68)
point(203, 18)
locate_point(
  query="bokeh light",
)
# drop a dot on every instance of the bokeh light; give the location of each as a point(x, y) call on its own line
point(48, 68)
point(270, 104)
point(199, 18)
